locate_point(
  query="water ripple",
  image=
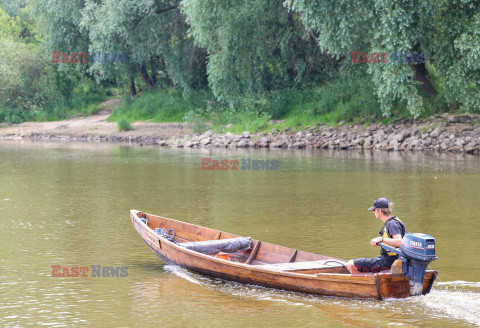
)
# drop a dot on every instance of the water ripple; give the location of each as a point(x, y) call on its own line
point(446, 303)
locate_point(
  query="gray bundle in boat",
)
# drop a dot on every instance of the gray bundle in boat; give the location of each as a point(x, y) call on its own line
point(221, 245)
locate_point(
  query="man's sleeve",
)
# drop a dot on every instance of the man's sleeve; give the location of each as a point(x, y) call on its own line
point(394, 228)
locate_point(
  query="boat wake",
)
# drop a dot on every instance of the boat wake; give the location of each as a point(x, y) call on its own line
point(454, 301)
point(234, 288)
point(460, 284)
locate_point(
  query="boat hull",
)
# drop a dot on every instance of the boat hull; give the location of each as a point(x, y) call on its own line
point(376, 286)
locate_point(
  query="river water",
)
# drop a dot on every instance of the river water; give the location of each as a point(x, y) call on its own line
point(68, 205)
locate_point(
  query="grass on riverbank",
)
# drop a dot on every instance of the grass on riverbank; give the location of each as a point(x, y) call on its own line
point(340, 101)
point(296, 108)
point(156, 106)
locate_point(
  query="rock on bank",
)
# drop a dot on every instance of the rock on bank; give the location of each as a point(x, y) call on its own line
point(446, 133)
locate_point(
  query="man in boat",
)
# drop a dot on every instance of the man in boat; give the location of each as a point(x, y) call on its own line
point(391, 234)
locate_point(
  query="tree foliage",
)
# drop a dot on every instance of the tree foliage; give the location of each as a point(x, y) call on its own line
point(373, 26)
point(253, 46)
point(244, 52)
point(153, 33)
point(447, 31)
point(455, 50)
point(23, 78)
point(9, 26)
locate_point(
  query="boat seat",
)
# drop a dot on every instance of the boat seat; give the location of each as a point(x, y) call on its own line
point(295, 266)
point(230, 245)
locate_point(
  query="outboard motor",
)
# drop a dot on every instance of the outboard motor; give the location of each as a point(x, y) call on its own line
point(416, 252)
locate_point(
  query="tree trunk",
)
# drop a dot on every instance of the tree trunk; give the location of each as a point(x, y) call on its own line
point(154, 78)
point(145, 77)
point(421, 76)
point(133, 89)
point(333, 62)
point(154, 71)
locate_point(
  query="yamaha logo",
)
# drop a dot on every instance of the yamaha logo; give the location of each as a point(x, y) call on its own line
point(416, 243)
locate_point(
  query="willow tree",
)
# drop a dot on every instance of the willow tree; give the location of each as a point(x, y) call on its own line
point(454, 45)
point(382, 26)
point(59, 21)
point(153, 34)
point(446, 31)
point(253, 46)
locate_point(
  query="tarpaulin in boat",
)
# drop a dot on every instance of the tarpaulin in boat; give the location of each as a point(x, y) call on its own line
point(220, 245)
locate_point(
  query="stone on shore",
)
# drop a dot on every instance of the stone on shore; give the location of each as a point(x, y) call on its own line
point(446, 133)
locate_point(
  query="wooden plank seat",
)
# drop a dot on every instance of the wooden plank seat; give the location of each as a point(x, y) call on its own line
point(296, 266)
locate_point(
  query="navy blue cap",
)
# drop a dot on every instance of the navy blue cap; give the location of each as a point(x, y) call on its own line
point(380, 203)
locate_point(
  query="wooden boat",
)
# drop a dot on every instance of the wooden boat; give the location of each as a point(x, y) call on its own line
point(269, 265)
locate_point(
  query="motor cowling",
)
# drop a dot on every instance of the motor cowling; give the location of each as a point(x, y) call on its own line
point(416, 252)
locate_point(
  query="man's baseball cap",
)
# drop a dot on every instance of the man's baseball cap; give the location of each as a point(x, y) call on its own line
point(380, 203)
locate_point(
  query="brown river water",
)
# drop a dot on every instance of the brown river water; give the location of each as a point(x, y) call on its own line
point(68, 205)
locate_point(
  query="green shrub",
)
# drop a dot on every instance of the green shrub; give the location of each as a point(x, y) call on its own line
point(197, 120)
point(31, 90)
point(123, 125)
point(23, 80)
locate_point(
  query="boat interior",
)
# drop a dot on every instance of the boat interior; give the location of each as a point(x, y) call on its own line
point(260, 254)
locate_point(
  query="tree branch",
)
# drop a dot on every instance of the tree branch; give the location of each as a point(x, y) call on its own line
point(161, 11)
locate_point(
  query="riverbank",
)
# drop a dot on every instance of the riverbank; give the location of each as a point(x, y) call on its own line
point(446, 133)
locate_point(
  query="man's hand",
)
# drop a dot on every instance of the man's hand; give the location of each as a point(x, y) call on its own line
point(374, 241)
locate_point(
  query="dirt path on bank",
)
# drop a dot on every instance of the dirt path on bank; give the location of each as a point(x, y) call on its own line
point(91, 128)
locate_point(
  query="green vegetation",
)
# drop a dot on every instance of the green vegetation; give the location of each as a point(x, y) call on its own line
point(236, 65)
point(123, 125)
point(347, 100)
point(159, 106)
point(29, 89)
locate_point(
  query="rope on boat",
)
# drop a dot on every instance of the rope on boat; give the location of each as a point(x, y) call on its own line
point(166, 233)
point(436, 275)
point(162, 232)
point(336, 262)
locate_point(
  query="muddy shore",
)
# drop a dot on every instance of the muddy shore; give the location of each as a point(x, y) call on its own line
point(445, 133)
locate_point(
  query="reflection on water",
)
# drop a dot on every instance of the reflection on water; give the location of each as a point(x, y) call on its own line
point(67, 204)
